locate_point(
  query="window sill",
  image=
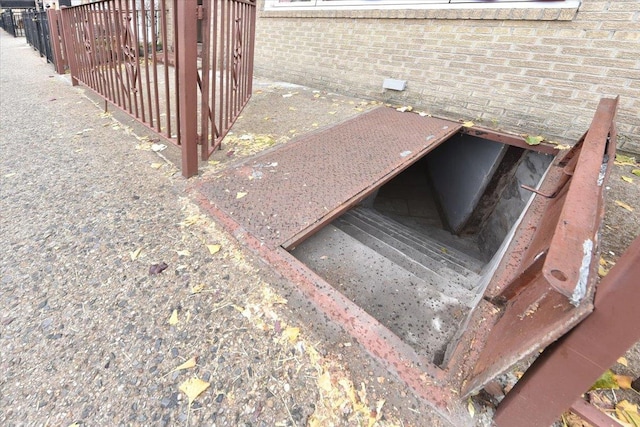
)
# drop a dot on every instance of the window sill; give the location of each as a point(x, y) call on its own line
point(560, 11)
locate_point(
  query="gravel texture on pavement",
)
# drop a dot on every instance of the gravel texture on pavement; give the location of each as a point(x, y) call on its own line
point(92, 332)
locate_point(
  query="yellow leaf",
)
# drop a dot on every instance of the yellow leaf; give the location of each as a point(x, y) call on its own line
point(315, 125)
point(563, 147)
point(240, 195)
point(190, 220)
point(624, 205)
point(184, 252)
point(606, 381)
point(187, 365)
point(332, 112)
point(602, 271)
point(636, 172)
point(623, 160)
point(324, 382)
point(471, 408)
point(135, 254)
point(173, 320)
point(291, 334)
point(468, 124)
point(627, 179)
point(214, 249)
point(628, 413)
point(623, 361)
point(193, 387)
point(156, 165)
point(197, 288)
point(624, 382)
point(214, 162)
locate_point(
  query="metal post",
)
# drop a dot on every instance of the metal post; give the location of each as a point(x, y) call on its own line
point(68, 44)
point(567, 368)
point(186, 63)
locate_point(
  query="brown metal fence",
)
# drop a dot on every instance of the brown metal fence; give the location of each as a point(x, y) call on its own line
point(145, 57)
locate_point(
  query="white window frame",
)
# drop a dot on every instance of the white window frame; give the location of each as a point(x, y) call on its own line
point(273, 5)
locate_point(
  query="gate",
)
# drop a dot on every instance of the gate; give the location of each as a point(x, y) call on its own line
point(11, 22)
point(36, 29)
point(143, 56)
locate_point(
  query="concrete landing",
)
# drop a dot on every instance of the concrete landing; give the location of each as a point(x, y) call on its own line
point(286, 194)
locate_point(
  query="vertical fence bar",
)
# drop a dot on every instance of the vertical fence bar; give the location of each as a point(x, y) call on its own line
point(145, 43)
point(154, 57)
point(56, 47)
point(139, 87)
point(65, 19)
point(204, 88)
point(187, 66)
point(165, 61)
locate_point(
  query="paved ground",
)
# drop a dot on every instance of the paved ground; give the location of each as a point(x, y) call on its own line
point(88, 335)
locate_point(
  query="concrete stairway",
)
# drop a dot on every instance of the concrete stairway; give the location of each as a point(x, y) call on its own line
point(418, 287)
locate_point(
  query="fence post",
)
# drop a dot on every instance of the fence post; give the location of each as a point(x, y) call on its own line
point(67, 43)
point(187, 68)
point(54, 39)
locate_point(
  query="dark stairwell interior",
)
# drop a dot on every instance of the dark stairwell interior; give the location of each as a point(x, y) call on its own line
point(418, 253)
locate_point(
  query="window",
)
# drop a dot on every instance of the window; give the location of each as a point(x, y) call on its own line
point(415, 4)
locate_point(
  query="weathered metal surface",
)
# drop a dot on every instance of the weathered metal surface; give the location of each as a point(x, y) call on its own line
point(509, 139)
point(574, 239)
point(284, 195)
point(535, 313)
point(142, 56)
point(568, 368)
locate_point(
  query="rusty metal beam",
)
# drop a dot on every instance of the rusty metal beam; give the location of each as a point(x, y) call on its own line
point(567, 368)
point(574, 241)
point(509, 139)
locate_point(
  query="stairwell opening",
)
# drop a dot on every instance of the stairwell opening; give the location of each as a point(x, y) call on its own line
point(418, 253)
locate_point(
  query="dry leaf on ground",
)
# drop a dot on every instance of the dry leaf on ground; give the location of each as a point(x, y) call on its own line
point(186, 365)
point(135, 254)
point(193, 387)
point(624, 205)
point(214, 249)
point(173, 320)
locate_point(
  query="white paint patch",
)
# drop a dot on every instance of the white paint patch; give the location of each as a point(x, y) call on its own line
point(581, 287)
point(603, 171)
point(405, 153)
point(437, 324)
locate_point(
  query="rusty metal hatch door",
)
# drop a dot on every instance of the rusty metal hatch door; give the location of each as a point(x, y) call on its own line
point(546, 281)
point(285, 195)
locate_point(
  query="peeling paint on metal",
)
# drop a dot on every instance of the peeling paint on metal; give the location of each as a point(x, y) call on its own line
point(581, 287)
point(603, 171)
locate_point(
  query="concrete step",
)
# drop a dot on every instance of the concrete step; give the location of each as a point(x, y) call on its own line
point(410, 248)
point(424, 313)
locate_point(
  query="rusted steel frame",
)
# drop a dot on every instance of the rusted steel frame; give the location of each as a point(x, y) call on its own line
point(56, 47)
point(92, 71)
point(107, 23)
point(187, 65)
point(567, 368)
point(145, 43)
point(509, 139)
point(68, 22)
point(138, 76)
point(574, 240)
point(205, 113)
point(592, 414)
point(128, 40)
point(177, 41)
point(165, 65)
point(214, 73)
point(154, 59)
point(99, 40)
point(103, 50)
point(118, 79)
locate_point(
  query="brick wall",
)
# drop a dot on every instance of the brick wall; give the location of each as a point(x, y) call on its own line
point(530, 71)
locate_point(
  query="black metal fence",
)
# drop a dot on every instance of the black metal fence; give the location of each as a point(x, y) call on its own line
point(11, 21)
point(36, 29)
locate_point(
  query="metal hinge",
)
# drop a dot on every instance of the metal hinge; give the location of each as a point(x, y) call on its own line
point(200, 12)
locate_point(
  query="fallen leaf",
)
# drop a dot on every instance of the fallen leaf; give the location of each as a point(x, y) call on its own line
point(627, 179)
point(135, 254)
point(332, 112)
point(186, 365)
point(623, 160)
point(291, 334)
point(628, 413)
point(197, 288)
point(184, 252)
point(9, 175)
point(240, 195)
point(624, 381)
point(158, 268)
point(623, 361)
point(324, 381)
point(602, 271)
point(563, 147)
point(468, 124)
point(624, 205)
point(214, 249)
point(173, 320)
point(606, 381)
point(471, 408)
point(214, 162)
point(636, 172)
point(156, 165)
point(190, 220)
point(533, 140)
point(193, 387)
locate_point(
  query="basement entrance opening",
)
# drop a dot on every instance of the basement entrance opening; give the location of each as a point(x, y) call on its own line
point(419, 251)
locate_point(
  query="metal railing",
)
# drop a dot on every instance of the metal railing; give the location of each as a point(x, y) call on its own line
point(143, 56)
point(36, 29)
point(11, 22)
